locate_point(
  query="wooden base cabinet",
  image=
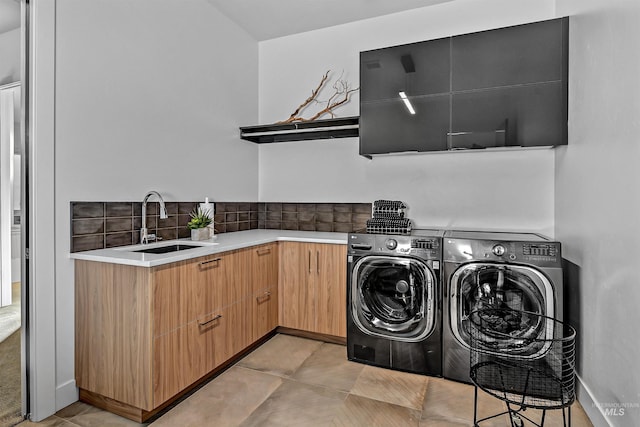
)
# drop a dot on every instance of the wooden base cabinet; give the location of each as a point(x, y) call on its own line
point(114, 332)
point(144, 335)
point(312, 290)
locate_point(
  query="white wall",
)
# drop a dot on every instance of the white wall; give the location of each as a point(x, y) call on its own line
point(149, 95)
point(10, 56)
point(491, 190)
point(598, 201)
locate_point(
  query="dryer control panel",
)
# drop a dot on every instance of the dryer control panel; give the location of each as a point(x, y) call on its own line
point(540, 249)
point(543, 254)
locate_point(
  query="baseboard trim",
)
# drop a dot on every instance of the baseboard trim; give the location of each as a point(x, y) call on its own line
point(312, 335)
point(588, 402)
point(66, 394)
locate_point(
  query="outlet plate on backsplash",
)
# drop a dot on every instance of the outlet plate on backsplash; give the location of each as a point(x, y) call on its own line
point(99, 225)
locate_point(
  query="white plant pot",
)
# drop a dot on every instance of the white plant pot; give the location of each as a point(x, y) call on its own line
point(200, 233)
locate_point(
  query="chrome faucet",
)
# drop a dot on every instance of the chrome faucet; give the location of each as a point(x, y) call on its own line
point(145, 237)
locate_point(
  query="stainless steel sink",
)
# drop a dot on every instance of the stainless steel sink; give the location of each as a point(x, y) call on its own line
point(168, 248)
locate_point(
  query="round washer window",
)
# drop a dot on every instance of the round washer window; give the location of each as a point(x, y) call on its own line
point(393, 297)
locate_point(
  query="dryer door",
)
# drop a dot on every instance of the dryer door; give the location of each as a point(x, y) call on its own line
point(507, 289)
point(393, 297)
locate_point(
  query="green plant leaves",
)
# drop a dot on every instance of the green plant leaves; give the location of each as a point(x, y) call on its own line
point(199, 219)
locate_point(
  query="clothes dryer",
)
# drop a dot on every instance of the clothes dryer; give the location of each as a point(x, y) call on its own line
point(394, 301)
point(511, 272)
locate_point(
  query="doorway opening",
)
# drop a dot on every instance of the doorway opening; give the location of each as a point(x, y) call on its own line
point(13, 378)
point(10, 255)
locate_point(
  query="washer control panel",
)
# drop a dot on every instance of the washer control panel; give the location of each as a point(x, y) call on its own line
point(425, 243)
point(424, 247)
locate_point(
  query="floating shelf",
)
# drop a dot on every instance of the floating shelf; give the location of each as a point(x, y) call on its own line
point(302, 131)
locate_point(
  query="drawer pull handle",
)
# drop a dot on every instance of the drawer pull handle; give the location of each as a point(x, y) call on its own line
point(210, 261)
point(263, 297)
point(265, 251)
point(209, 321)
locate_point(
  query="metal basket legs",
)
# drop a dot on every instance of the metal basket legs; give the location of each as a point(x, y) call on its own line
point(525, 359)
point(516, 414)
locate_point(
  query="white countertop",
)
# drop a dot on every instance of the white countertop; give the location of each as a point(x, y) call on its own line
point(220, 243)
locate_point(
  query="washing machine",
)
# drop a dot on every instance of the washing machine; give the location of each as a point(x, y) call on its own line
point(509, 272)
point(394, 301)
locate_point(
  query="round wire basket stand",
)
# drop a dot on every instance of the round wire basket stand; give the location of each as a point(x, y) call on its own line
point(525, 359)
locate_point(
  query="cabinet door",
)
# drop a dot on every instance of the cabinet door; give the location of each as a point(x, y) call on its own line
point(173, 288)
point(527, 116)
point(331, 289)
point(421, 72)
point(296, 294)
point(522, 54)
point(312, 290)
point(389, 127)
point(416, 69)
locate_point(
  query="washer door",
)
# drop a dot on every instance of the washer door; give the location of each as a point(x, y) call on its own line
point(507, 289)
point(393, 297)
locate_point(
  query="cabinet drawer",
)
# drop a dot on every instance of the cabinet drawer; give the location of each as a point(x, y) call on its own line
point(173, 364)
point(210, 278)
point(184, 355)
point(264, 267)
point(264, 312)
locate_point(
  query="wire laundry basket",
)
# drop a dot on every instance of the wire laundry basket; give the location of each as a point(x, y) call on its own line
point(523, 358)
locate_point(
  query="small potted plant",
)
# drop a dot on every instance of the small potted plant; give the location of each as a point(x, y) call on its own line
point(198, 224)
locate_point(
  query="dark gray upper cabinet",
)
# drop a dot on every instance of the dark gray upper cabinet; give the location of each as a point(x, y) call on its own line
point(416, 69)
point(426, 130)
point(510, 116)
point(498, 88)
point(523, 54)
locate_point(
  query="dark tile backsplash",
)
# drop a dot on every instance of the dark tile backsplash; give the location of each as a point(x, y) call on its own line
point(340, 217)
point(98, 225)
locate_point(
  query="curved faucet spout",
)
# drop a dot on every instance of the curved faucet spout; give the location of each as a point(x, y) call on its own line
point(145, 237)
point(163, 209)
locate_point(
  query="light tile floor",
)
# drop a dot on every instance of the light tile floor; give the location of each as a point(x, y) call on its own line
point(292, 381)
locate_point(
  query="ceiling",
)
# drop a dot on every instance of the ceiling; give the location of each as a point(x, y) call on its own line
point(9, 15)
point(268, 19)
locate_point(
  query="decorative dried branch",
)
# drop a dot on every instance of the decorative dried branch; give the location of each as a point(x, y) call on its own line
point(341, 90)
point(341, 95)
point(294, 116)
